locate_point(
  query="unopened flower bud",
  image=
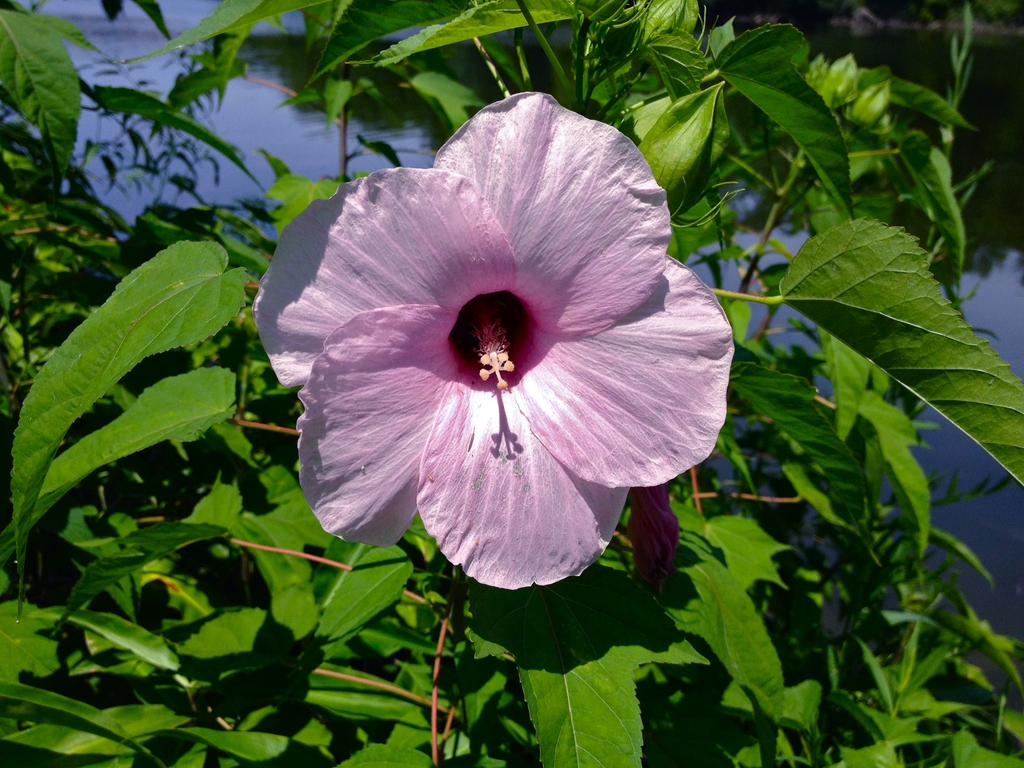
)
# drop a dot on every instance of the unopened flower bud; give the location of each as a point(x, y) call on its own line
point(654, 531)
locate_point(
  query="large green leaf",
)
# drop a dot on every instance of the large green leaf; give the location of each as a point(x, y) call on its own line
point(869, 286)
point(789, 402)
point(230, 16)
point(968, 754)
point(140, 547)
point(748, 550)
point(364, 21)
point(483, 19)
point(133, 102)
point(759, 63)
point(175, 408)
point(23, 702)
point(577, 644)
point(376, 581)
point(181, 296)
point(706, 599)
point(41, 79)
point(933, 177)
point(22, 648)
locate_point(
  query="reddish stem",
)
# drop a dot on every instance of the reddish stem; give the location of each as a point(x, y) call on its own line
point(389, 687)
point(315, 559)
point(696, 490)
point(433, 693)
point(267, 427)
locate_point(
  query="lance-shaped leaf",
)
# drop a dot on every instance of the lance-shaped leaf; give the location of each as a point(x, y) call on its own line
point(140, 547)
point(181, 296)
point(363, 21)
point(478, 20)
point(230, 16)
point(151, 648)
point(869, 286)
point(759, 63)
point(41, 79)
point(704, 598)
point(577, 644)
point(914, 96)
point(175, 408)
point(933, 178)
point(23, 702)
point(133, 102)
point(789, 402)
point(252, 748)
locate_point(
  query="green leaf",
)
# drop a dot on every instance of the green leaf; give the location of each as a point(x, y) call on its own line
point(880, 755)
point(681, 62)
point(229, 16)
point(337, 92)
point(869, 286)
point(449, 98)
point(706, 599)
point(133, 102)
point(916, 97)
point(789, 402)
point(296, 193)
point(685, 144)
point(383, 756)
point(358, 703)
point(230, 632)
point(747, 548)
point(140, 547)
point(849, 373)
point(255, 749)
point(933, 177)
point(967, 754)
point(180, 297)
point(364, 21)
point(954, 546)
point(42, 81)
point(478, 20)
point(896, 434)
point(577, 644)
point(22, 649)
point(221, 506)
point(152, 9)
point(759, 64)
point(150, 648)
point(176, 408)
point(671, 17)
point(23, 702)
point(999, 648)
point(375, 582)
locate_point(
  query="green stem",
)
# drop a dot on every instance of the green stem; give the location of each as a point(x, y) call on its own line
point(490, 66)
point(555, 64)
point(710, 76)
point(771, 301)
point(521, 54)
point(581, 62)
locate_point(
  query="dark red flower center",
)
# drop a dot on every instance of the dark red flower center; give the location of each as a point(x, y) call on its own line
point(486, 332)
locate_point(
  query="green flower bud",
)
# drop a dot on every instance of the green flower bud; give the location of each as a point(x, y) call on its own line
point(871, 105)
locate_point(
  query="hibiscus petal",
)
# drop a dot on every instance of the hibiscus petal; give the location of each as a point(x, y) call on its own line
point(643, 401)
point(587, 221)
point(499, 504)
point(370, 402)
point(398, 236)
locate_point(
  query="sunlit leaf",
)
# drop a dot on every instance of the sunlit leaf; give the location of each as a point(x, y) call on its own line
point(577, 644)
point(759, 63)
point(869, 286)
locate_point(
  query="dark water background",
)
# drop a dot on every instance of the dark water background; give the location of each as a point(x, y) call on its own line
point(249, 118)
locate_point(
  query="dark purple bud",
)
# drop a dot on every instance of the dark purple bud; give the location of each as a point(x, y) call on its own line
point(654, 531)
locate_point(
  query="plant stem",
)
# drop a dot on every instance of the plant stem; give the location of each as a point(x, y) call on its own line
point(769, 300)
point(434, 754)
point(524, 68)
point(389, 687)
point(315, 558)
point(266, 427)
point(490, 66)
point(581, 62)
point(556, 66)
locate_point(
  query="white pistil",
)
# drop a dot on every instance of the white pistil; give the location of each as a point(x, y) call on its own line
point(496, 362)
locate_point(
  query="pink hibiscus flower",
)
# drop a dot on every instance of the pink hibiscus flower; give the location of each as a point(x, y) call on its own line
point(499, 342)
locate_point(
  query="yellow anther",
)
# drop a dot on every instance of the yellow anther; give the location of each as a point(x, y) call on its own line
point(496, 362)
